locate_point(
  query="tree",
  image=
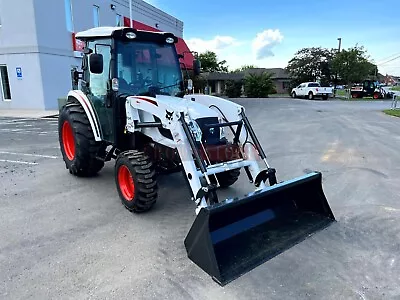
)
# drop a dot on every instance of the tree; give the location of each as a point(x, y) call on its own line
point(210, 63)
point(243, 68)
point(311, 64)
point(353, 65)
point(259, 85)
point(233, 88)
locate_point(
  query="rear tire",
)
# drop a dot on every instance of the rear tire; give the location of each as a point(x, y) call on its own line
point(324, 97)
point(135, 178)
point(226, 178)
point(310, 96)
point(78, 146)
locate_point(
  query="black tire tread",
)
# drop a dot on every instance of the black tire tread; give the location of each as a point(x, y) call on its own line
point(146, 188)
point(86, 162)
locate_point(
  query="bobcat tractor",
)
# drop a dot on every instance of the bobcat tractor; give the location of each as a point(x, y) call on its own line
point(129, 104)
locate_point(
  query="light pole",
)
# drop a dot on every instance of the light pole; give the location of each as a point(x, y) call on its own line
point(340, 44)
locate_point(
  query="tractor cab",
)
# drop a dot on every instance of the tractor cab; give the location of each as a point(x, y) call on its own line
point(370, 86)
point(123, 62)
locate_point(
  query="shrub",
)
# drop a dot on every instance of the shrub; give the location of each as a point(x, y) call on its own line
point(258, 85)
point(233, 88)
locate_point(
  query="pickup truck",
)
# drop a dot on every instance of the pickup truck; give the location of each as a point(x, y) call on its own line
point(311, 90)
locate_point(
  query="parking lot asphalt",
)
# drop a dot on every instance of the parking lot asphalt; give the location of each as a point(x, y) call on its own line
point(66, 237)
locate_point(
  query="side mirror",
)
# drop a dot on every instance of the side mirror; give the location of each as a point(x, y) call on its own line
point(96, 63)
point(196, 67)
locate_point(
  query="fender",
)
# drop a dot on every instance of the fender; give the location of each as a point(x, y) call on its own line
point(87, 106)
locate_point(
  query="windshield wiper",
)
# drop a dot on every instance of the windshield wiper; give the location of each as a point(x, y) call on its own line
point(155, 90)
point(168, 86)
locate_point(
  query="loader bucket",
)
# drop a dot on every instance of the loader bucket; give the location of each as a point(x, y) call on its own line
point(231, 238)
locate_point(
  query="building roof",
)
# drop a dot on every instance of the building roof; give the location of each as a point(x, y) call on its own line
point(277, 73)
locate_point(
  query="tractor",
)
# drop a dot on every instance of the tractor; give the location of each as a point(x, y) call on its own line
point(130, 104)
point(370, 88)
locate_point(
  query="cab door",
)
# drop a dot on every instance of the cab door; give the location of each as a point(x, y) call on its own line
point(301, 89)
point(98, 90)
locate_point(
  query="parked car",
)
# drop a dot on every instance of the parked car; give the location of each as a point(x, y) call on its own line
point(311, 90)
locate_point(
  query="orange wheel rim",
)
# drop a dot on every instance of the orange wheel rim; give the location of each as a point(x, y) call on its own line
point(68, 140)
point(126, 184)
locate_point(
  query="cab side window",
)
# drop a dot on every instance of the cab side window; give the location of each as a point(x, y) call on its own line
point(98, 82)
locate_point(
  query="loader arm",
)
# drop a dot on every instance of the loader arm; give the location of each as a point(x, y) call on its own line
point(175, 117)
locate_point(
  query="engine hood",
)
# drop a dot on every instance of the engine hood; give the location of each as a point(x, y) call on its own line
point(194, 109)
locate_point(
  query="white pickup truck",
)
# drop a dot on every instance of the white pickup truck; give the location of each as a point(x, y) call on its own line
point(311, 90)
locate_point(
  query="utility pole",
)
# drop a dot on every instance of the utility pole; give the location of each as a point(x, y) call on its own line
point(336, 75)
point(130, 13)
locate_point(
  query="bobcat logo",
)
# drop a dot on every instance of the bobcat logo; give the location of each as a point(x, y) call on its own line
point(169, 115)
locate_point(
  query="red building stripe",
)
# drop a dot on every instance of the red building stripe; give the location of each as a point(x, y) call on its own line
point(181, 46)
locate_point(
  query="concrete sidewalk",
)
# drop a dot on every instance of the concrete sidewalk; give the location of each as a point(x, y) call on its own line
point(24, 113)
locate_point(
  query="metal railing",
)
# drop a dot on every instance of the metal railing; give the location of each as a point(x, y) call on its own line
point(394, 102)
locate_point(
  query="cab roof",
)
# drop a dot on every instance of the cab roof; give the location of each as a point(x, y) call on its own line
point(120, 32)
point(97, 32)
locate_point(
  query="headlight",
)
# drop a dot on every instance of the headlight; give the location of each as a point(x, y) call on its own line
point(130, 35)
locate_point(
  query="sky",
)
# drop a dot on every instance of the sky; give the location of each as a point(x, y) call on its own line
point(268, 33)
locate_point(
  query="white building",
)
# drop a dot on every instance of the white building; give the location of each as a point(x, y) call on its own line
point(38, 48)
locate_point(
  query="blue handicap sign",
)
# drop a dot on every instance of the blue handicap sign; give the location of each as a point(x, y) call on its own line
point(19, 72)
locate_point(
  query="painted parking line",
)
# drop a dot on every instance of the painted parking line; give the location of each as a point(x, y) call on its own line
point(18, 162)
point(23, 131)
point(16, 120)
point(12, 123)
point(29, 154)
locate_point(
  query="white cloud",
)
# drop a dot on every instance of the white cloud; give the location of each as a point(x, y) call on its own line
point(238, 52)
point(264, 42)
point(152, 2)
point(217, 44)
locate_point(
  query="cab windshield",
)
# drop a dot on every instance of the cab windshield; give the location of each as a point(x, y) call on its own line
point(146, 68)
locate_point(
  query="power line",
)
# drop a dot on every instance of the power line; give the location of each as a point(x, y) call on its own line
point(389, 57)
point(389, 60)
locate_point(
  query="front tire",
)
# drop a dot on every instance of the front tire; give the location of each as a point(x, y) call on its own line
point(226, 178)
point(135, 178)
point(79, 149)
point(294, 95)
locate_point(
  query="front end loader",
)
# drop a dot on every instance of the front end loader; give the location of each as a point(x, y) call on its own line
point(131, 106)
